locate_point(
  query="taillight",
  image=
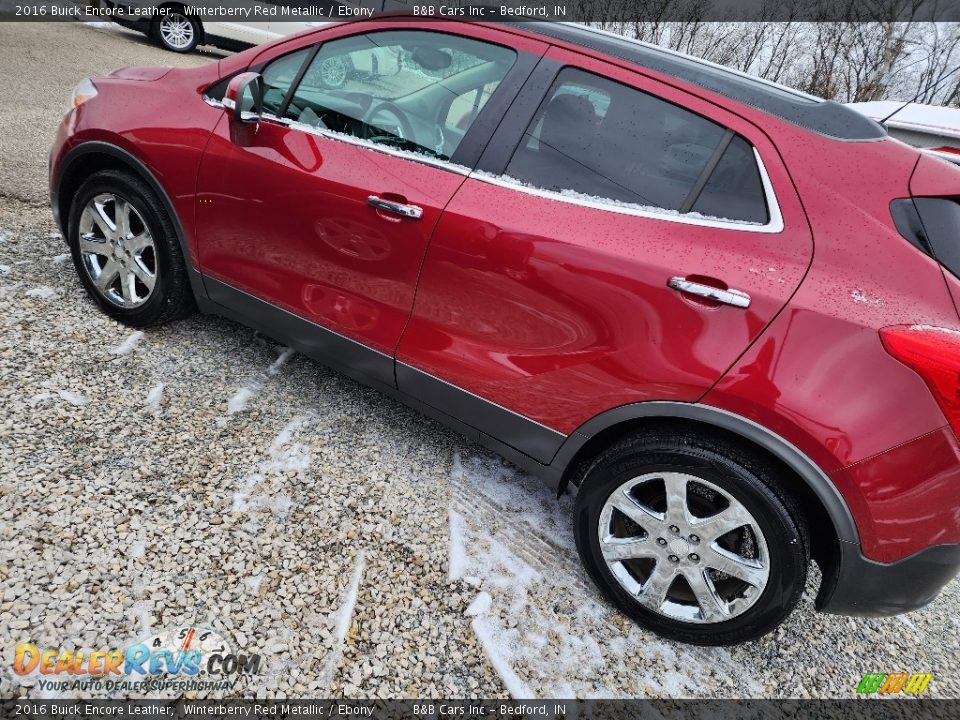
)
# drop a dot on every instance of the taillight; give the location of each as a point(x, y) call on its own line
point(934, 353)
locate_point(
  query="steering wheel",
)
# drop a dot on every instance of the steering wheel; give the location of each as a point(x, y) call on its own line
point(389, 124)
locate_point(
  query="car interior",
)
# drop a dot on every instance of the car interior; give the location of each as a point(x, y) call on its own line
point(416, 103)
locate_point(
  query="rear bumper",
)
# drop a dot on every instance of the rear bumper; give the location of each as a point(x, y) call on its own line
point(867, 588)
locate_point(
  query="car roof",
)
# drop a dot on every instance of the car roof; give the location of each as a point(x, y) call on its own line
point(824, 117)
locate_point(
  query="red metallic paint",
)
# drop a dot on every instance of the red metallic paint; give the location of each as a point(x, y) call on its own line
point(299, 233)
point(560, 312)
point(909, 496)
point(841, 398)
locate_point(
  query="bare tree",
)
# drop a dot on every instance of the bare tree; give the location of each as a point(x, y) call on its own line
point(882, 52)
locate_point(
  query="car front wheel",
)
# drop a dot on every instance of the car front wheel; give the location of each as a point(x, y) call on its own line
point(177, 31)
point(691, 537)
point(126, 252)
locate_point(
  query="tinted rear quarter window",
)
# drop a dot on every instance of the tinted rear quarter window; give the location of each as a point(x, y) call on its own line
point(734, 190)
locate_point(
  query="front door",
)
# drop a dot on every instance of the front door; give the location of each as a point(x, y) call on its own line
point(326, 206)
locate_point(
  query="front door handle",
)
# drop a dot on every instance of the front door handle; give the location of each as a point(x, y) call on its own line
point(397, 208)
point(736, 298)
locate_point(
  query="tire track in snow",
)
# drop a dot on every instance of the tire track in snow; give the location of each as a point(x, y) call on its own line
point(546, 629)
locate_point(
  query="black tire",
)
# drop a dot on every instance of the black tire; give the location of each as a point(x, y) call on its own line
point(171, 297)
point(176, 13)
point(744, 474)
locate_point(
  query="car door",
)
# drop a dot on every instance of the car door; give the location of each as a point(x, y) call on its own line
point(324, 208)
point(622, 241)
point(252, 33)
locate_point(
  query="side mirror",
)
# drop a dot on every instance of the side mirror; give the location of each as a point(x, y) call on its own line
point(244, 97)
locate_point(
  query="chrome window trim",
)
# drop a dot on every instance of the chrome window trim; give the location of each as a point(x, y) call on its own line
point(773, 225)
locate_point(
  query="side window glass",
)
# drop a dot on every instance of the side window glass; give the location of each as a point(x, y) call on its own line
point(411, 90)
point(596, 139)
point(464, 108)
point(734, 189)
point(278, 76)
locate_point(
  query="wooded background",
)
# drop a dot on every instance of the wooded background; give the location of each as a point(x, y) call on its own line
point(868, 59)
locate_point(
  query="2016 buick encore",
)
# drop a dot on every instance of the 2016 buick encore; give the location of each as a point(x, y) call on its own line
point(721, 311)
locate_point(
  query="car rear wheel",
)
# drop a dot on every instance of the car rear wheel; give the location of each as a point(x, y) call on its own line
point(126, 251)
point(690, 537)
point(177, 31)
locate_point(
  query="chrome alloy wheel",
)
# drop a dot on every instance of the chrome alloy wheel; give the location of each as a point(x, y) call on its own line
point(683, 547)
point(118, 251)
point(333, 72)
point(176, 30)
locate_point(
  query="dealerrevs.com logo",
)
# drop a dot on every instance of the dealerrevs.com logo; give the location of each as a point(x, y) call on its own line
point(183, 658)
point(893, 683)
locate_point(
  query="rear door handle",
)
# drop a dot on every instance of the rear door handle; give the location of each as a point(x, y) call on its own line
point(414, 212)
point(736, 298)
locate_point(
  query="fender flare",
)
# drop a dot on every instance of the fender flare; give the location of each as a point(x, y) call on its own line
point(99, 147)
point(785, 451)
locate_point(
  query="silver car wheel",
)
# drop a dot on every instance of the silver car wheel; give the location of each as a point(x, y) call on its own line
point(176, 31)
point(333, 72)
point(118, 251)
point(684, 547)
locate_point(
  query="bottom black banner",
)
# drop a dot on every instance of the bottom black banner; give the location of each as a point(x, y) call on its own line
point(243, 709)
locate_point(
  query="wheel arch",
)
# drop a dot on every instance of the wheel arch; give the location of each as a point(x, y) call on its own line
point(833, 529)
point(94, 156)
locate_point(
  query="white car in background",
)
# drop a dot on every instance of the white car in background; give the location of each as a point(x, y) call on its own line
point(931, 127)
point(178, 31)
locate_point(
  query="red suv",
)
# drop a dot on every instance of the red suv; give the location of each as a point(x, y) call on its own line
point(720, 311)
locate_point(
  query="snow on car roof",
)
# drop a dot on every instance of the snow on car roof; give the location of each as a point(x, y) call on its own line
point(931, 119)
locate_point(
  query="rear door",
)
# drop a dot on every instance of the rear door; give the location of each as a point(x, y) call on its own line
point(622, 241)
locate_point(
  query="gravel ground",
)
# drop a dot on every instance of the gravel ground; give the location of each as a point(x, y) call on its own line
point(202, 474)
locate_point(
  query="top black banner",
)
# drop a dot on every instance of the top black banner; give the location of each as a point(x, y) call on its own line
point(617, 12)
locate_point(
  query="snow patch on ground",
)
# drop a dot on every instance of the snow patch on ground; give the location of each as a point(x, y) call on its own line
point(129, 344)
point(282, 360)
point(284, 457)
point(343, 618)
point(43, 292)
point(143, 619)
point(480, 605)
point(154, 397)
point(75, 399)
point(60, 259)
point(255, 581)
point(457, 561)
point(497, 645)
point(4, 269)
point(906, 621)
point(241, 398)
point(238, 403)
